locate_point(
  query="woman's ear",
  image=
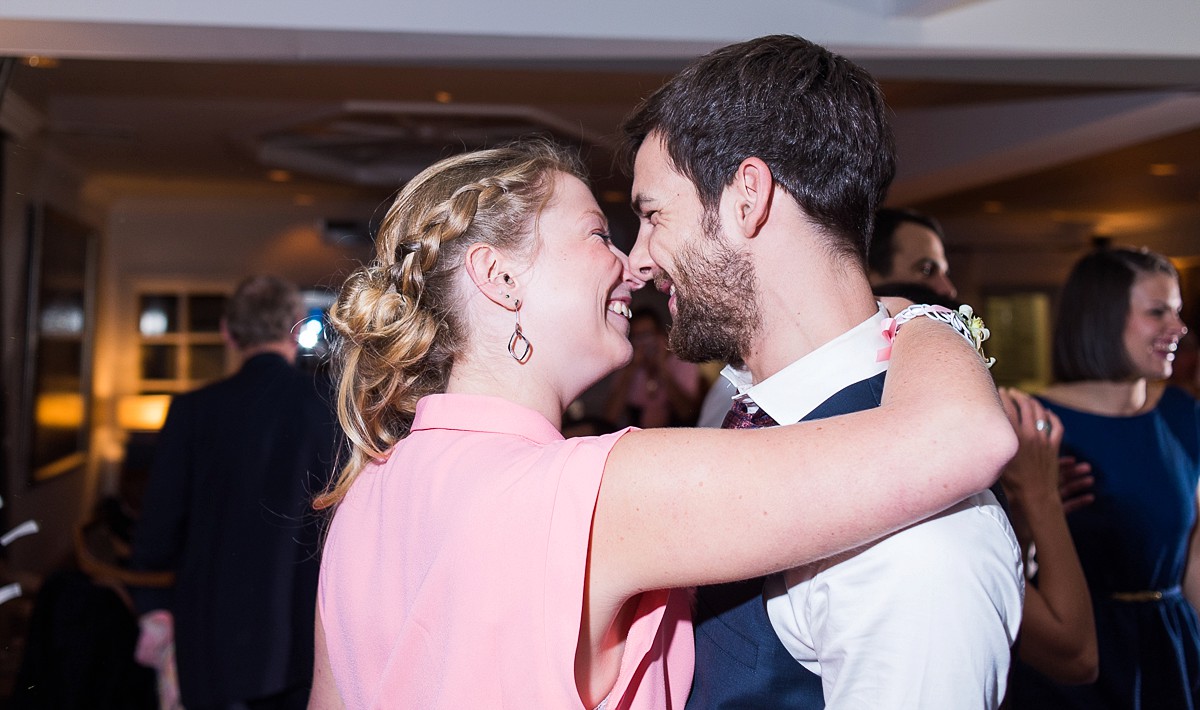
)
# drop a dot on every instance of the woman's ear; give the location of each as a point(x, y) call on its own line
point(488, 268)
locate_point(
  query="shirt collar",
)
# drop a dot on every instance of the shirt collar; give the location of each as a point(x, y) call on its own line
point(790, 394)
point(480, 413)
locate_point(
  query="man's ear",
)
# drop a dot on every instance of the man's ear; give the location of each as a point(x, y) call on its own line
point(753, 188)
point(489, 270)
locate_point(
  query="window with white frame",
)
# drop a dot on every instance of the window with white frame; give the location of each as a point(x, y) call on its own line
point(180, 346)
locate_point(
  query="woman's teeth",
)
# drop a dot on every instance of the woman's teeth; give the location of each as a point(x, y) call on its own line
point(620, 308)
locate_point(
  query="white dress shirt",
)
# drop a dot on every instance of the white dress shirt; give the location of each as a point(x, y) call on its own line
point(923, 619)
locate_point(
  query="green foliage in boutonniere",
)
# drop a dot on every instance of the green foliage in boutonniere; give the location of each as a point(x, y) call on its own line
point(978, 331)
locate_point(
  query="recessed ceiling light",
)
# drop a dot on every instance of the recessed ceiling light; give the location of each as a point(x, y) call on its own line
point(443, 97)
point(279, 176)
point(36, 62)
point(1164, 169)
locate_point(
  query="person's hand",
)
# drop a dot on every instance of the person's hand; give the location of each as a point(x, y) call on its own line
point(1031, 478)
point(1034, 471)
point(1075, 484)
point(156, 634)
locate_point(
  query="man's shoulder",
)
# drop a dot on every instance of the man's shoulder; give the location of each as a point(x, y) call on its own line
point(963, 530)
point(963, 540)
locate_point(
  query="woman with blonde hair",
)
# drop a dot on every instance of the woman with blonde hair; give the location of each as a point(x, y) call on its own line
point(478, 559)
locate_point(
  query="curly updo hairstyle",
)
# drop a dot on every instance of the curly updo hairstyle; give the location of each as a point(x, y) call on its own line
point(400, 319)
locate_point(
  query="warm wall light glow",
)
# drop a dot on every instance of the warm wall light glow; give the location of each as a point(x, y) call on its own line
point(993, 207)
point(304, 200)
point(279, 176)
point(60, 410)
point(36, 62)
point(614, 197)
point(1164, 169)
point(1119, 223)
point(443, 97)
point(142, 412)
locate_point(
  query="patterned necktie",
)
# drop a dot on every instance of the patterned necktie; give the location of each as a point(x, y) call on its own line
point(739, 417)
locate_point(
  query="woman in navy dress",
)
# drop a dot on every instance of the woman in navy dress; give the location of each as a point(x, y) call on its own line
point(1114, 342)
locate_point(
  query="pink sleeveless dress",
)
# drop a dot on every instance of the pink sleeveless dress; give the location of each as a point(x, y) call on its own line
point(452, 575)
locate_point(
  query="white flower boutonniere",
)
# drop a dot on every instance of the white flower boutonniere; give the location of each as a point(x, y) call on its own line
point(979, 332)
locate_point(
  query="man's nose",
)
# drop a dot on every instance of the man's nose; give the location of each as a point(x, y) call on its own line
point(640, 262)
point(627, 274)
point(943, 285)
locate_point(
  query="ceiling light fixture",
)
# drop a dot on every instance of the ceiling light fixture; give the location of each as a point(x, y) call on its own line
point(1164, 169)
point(443, 97)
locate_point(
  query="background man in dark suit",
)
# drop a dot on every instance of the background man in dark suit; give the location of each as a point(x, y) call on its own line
point(228, 510)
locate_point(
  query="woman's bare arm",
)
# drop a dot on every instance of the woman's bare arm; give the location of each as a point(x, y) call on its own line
point(1058, 629)
point(680, 507)
point(324, 695)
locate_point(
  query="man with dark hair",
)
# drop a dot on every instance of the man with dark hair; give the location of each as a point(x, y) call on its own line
point(906, 247)
point(757, 173)
point(227, 510)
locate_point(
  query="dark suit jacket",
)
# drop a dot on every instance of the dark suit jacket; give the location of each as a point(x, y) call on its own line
point(228, 508)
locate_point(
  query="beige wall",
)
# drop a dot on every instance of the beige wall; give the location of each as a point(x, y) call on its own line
point(156, 239)
point(210, 243)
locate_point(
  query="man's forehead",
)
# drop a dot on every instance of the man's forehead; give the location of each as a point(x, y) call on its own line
point(917, 237)
point(650, 172)
point(654, 170)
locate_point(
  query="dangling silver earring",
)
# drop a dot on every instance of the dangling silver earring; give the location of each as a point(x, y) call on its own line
point(518, 345)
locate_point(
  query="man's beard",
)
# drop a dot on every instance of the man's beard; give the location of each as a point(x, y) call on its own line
point(716, 313)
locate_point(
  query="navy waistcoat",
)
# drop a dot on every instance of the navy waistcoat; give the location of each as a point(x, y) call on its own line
point(740, 662)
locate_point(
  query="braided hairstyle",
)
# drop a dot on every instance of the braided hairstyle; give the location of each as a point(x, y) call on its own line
point(400, 319)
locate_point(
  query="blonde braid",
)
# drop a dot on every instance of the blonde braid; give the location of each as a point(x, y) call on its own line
point(399, 318)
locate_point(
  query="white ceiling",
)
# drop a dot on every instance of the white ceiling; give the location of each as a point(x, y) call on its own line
point(1031, 123)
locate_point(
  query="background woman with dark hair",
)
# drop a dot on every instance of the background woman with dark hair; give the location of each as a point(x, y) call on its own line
point(1114, 342)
